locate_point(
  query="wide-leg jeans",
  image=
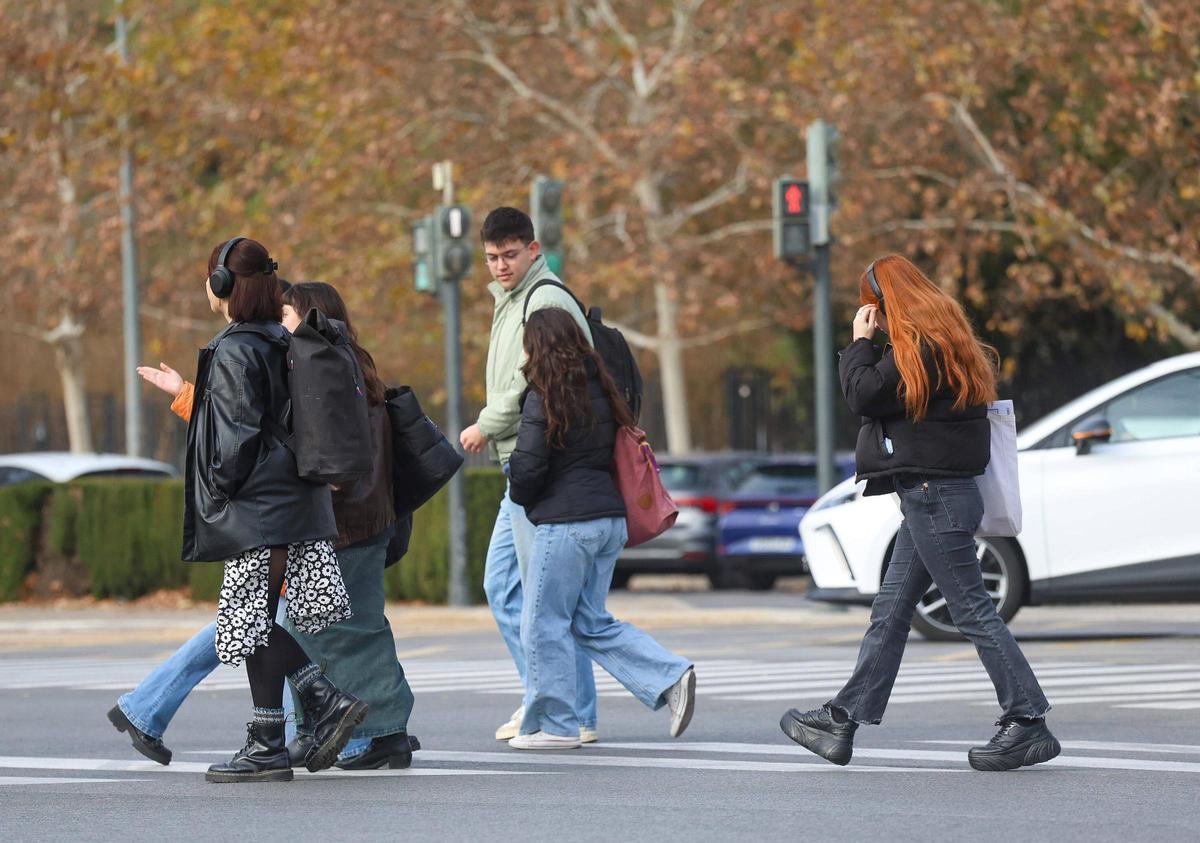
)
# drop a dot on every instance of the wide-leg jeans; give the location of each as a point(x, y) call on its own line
point(569, 574)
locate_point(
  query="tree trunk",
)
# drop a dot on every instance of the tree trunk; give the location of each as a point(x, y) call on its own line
point(67, 340)
point(668, 345)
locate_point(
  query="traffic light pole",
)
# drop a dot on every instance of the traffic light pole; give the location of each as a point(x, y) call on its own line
point(824, 365)
point(459, 591)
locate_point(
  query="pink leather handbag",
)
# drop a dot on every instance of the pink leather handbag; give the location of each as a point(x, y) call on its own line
point(649, 510)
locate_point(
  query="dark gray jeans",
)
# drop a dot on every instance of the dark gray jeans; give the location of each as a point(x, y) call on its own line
point(937, 543)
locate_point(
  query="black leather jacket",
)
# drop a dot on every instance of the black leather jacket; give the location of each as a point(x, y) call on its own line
point(946, 443)
point(572, 483)
point(242, 490)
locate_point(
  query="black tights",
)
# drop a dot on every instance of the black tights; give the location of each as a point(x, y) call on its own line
point(267, 666)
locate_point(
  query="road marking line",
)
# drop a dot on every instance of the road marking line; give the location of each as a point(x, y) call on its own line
point(113, 765)
point(1109, 746)
point(16, 780)
point(1086, 762)
point(587, 758)
point(1172, 705)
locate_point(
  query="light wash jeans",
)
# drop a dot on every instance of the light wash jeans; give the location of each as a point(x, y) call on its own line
point(503, 573)
point(570, 571)
point(151, 705)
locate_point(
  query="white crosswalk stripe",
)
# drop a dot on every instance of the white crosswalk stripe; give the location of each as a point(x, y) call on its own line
point(1168, 687)
point(675, 756)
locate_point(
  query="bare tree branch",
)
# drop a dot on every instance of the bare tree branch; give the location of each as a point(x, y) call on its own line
point(683, 15)
point(736, 229)
point(911, 172)
point(743, 327)
point(722, 194)
point(636, 338)
point(1033, 197)
point(163, 315)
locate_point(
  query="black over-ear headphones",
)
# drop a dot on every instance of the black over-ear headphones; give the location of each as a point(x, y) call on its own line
point(875, 286)
point(221, 280)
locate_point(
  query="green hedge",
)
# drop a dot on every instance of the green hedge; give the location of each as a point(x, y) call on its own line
point(20, 529)
point(121, 538)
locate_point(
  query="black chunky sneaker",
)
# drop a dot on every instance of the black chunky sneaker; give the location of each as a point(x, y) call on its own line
point(818, 732)
point(150, 747)
point(332, 715)
point(1019, 743)
point(392, 751)
point(264, 758)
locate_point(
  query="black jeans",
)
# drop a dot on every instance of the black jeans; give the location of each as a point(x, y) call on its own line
point(937, 543)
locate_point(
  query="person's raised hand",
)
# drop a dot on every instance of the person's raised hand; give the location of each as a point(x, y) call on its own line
point(866, 322)
point(472, 440)
point(164, 377)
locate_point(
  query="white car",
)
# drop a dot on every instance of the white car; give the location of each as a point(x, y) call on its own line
point(62, 467)
point(1110, 492)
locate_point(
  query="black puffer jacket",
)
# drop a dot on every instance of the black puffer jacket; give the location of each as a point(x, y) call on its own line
point(572, 483)
point(946, 443)
point(242, 490)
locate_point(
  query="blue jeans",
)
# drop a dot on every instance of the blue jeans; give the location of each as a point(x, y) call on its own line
point(937, 544)
point(151, 705)
point(512, 542)
point(570, 571)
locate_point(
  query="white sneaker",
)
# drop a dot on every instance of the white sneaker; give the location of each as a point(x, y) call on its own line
point(541, 740)
point(513, 727)
point(587, 735)
point(681, 700)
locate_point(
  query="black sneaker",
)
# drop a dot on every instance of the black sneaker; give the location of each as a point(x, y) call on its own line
point(150, 747)
point(1019, 743)
point(818, 732)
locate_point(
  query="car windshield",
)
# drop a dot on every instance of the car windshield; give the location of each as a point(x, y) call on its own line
point(799, 481)
point(681, 476)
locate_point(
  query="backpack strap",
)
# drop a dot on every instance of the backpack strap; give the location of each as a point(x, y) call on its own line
point(542, 283)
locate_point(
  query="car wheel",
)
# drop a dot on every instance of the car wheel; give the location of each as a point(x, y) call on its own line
point(760, 582)
point(1004, 578)
point(620, 579)
point(723, 579)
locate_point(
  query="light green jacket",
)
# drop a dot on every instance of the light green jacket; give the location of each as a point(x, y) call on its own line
point(498, 421)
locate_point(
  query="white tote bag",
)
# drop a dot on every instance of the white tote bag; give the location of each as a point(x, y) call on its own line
point(1000, 484)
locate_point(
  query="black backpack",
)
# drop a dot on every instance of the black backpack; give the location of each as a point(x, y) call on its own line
point(331, 430)
point(610, 343)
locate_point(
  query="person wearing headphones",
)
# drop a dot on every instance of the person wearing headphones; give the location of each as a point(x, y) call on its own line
point(245, 504)
point(925, 436)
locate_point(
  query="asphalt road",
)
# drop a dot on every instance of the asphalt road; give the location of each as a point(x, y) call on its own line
point(1124, 681)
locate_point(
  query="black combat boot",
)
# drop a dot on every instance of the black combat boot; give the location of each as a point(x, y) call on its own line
point(332, 716)
point(818, 731)
point(147, 745)
point(264, 758)
point(299, 748)
point(393, 751)
point(1021, 742)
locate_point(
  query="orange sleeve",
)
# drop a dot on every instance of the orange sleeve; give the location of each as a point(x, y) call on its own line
point(182, 405)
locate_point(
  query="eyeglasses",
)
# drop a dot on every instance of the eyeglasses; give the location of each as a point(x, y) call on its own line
point(507, 257)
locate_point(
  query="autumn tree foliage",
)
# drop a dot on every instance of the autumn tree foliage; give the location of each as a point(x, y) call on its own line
point(1035, 158)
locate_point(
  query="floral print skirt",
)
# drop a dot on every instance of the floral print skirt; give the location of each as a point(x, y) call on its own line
point(316, 597)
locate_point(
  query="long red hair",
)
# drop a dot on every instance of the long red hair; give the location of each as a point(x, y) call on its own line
point(920, 314)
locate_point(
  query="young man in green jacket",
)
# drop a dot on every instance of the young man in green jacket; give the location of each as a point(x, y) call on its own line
point(516, 265)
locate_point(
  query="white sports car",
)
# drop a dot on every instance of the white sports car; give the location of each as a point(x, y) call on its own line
point(1110, 489)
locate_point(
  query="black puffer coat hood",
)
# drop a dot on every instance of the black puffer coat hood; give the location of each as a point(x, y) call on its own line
point(946, 443)
point(242, 490)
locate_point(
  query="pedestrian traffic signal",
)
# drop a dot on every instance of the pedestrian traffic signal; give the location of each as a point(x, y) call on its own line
point(422, 249)
point(790, 219)
point(546, 209)
point(452, 243)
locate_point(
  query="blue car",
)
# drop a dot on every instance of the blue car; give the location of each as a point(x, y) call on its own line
point(758, 530)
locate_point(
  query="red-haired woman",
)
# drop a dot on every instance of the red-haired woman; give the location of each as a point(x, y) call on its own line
point(925, 436)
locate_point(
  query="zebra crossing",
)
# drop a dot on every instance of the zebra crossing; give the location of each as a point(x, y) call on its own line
point(937, 757)
point(1168, 687)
